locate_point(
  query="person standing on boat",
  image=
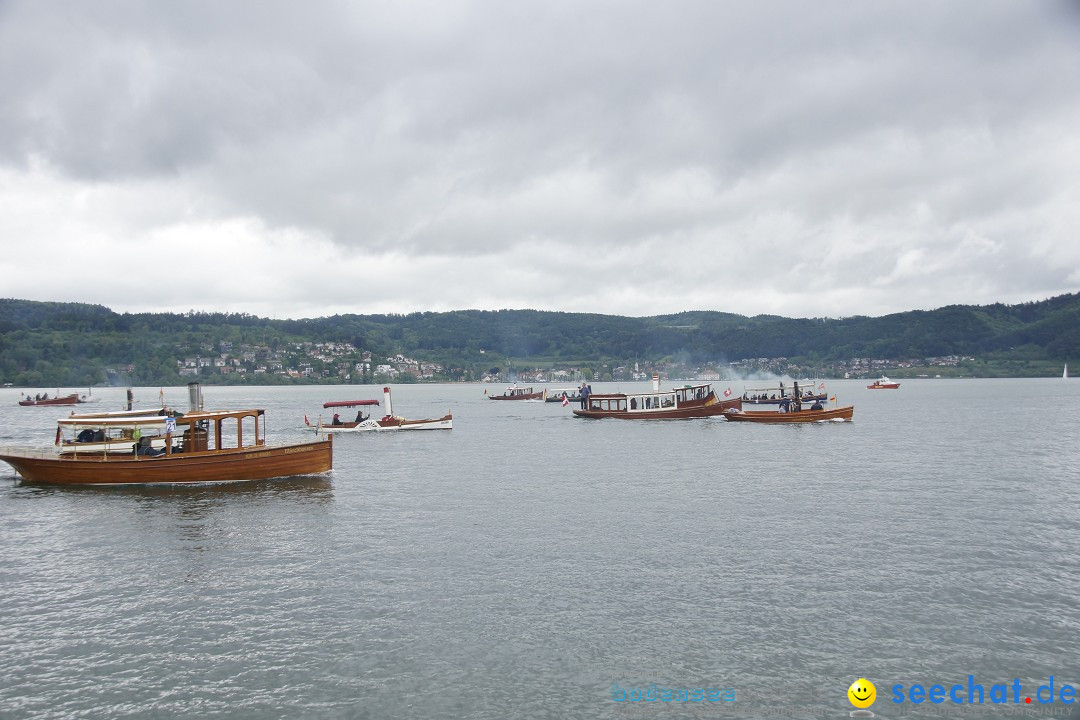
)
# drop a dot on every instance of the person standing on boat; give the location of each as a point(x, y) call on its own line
point(584, 393)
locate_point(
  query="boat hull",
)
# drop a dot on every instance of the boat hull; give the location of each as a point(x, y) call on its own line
point(525, 396)
point(258, 462)
point(787, 418)
point(689, 412)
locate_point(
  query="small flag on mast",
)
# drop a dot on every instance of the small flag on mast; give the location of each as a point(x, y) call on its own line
point(727, 393)
point(565, 400)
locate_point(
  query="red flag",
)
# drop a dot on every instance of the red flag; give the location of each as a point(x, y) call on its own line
point(306, 421)
point(727, 393)
point(565, 400)
point(821, 386)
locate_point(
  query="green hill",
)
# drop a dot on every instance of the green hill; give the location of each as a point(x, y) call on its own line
point(72, 344)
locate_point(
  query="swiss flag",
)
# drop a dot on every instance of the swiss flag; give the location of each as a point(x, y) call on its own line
point(565, 400)
point(727, 393)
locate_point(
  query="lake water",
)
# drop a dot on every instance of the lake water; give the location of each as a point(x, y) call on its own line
point(529, 564)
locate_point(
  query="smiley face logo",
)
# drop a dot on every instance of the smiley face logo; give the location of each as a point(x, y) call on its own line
point(862, 693)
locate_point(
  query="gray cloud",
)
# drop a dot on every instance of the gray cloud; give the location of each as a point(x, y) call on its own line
point(799, 159)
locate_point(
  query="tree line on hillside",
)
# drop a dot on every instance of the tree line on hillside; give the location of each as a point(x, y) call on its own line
point(73, 344)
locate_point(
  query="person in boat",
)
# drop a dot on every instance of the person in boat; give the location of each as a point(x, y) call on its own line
point(146, 449)
point(785, 405)
point(817, 405)
point(336, 420)
point(360, 417)
point(584, 393)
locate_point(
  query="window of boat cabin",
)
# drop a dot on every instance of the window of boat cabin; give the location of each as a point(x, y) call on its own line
point(667, 401)
point(633, 403)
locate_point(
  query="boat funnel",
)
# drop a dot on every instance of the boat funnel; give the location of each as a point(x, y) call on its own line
point(656, 382)
point(195, 400)
point(386, 399)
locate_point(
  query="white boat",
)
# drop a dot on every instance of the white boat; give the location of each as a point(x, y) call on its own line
point(388, 422)
point(89, 397)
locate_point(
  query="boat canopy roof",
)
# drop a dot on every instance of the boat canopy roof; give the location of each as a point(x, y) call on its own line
point(349, 403)
point(133, 421)
point(706, 388)
point(157, 412)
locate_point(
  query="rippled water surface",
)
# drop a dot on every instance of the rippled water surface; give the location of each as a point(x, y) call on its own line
point(526, 562)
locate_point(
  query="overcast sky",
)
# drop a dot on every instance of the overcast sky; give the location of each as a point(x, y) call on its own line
point(624, 157)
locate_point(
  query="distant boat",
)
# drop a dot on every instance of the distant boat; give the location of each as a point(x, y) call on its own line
point(72, 399)
point(683, 403)
point(883, 384)
point(89, 397)
point(514, 392)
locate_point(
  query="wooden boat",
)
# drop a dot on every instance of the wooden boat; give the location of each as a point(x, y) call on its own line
point(883, 384)
point(213, 446)
point(839, 414)
point(72, 399)
point(513, 392)
point(385, 423)
point(690, 401)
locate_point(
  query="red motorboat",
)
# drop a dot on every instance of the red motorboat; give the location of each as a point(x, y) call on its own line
point(883, 384)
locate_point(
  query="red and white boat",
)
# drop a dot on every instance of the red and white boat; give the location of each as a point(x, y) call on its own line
point(389, 421)
point(883, 384)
